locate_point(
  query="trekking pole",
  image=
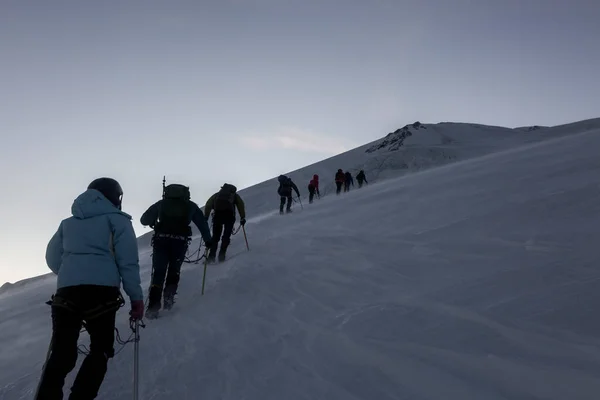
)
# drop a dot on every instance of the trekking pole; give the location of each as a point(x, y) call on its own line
point(205, 265)
point(300, 200)
point(245, 237)
point(136, 360)
point(199, 248)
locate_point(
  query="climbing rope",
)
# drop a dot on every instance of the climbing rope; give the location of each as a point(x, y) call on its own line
point(82, 349)
point(120, 302)
point(196, 256)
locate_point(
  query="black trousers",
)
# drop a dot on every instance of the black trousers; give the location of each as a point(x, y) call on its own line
point(311, 193)
point(222, 225)
point(346, 186)
point(66, 326)
point(338, 187)
point(167, 257)
point(282, 203)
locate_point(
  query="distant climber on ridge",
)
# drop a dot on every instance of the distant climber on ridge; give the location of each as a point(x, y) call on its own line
point(340, 178)
point(285, 192)
point(313, 187)
point(360, 178)
point(348, 180)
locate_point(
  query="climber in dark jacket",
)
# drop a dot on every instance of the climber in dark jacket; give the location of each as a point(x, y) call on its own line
point(170, 218)
point(348, 181)
point(340, 178)
point(224, 203)
point(313, 187)
point(360, 178)
point(285, 192)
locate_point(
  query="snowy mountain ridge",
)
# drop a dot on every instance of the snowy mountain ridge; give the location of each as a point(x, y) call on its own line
point(411, 148)
point(474, 280)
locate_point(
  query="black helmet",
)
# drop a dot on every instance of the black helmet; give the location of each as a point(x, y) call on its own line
point(110, 188)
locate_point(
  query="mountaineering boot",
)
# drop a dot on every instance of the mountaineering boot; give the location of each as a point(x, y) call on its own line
point(222, 255)
point(169, 297)
point(153, 302)
point(168, 302)
point(152, 312)
point(211, 255)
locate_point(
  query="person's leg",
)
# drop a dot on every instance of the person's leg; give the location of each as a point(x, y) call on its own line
point(281, 204)
point(227, 231)
point(93, 369)
point(178, 249)
point(216, 236)
point(160, 263)
point(63, 353)
point(288, 208)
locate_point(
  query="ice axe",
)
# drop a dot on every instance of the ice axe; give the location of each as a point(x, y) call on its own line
point(136, 359)
point(245, 237)
point(205, 265)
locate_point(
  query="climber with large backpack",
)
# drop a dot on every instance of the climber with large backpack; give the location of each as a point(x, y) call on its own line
point(286, 185)
point(170, 218)
point(224, 204)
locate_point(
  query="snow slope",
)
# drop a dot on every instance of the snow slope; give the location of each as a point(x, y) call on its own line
point(475, 280)
point(413, 148)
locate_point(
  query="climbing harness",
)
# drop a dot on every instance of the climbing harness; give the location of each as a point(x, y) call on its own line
point(88, 315)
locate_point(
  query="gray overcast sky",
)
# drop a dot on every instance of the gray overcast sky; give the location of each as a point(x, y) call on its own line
point(240, 91)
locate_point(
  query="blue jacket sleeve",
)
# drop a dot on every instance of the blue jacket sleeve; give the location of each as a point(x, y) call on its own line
point(126, 256)
point(54, 251)
point(200, 221)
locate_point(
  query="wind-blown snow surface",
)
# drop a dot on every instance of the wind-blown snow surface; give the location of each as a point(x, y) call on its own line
point(476, 280)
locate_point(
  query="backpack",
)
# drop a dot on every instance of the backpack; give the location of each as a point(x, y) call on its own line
point(285, 186)
point(225, 199)
point(174, 216)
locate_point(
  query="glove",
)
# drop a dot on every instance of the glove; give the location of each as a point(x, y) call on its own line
point(137, 310)
point(208, 243)
point(243, 221)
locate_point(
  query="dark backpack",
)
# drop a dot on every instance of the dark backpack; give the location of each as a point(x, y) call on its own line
point(174, 216)
point(285, 186)
point(225, 199)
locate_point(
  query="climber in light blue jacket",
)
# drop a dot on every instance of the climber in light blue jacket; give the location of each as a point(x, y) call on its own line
point(96, 246)
point(92, 253)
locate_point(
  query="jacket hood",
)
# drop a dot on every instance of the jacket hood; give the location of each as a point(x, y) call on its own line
point(92, 203)
point(316, 177)
point(229, 187)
